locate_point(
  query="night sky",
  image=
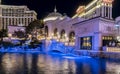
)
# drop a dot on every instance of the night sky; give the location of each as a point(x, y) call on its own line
point(68, 7)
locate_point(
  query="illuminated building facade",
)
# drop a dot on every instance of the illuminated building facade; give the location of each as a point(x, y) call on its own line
point(91, 28)
point(15, 16)
point(102, 8)
point(59, 27)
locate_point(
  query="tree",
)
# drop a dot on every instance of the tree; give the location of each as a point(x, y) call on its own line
point(3, 33)
point(19, 34)
point(33, 26)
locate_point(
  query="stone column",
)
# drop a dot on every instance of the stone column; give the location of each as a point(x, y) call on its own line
point(105, 11)
point(99, 11)
point(1, 23)
point(8, 21)
point(23, 20)
point(77, 42)
point(97, 41)
point(111, 12)
point(102, 11)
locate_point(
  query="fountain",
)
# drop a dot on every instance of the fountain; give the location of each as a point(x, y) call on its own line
point(47, 46)
point(54, 46)
point(16, 46)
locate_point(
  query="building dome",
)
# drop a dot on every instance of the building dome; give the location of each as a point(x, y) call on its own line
point(53, 16)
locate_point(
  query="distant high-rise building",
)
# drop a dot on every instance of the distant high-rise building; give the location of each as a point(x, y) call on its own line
point(11, 15)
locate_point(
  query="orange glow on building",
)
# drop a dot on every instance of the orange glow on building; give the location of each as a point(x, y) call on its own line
point(80, 9)
point(108, 1)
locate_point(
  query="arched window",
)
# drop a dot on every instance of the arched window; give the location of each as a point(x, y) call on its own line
point(46, 31)
point(55, 32)
point(72, 36)
point(62, 35)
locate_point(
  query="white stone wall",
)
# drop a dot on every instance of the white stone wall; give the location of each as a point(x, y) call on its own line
point(106, 26)
point(87, 28)
point(66, 24)
point(96, 28)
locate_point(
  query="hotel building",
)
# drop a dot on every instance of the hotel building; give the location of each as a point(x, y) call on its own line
point(102, 8)
point(91, 28)
point(98, 28)
point(11, 15)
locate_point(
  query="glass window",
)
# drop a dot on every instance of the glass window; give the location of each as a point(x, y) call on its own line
point(86, 43)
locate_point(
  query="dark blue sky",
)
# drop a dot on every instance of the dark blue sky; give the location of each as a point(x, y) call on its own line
point(43, 7)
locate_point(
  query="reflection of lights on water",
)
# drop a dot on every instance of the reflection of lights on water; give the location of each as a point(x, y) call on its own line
point(113, 68)
point(55, 65)
point(40, 62)
point(11, 63)
point(29, 61)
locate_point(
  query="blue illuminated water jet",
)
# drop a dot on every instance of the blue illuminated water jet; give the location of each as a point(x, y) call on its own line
point(53, 48)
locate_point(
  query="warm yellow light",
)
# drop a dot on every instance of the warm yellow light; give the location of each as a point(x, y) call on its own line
point(29, 36)
point(65, 35)
point(9, 34)
point(52, 34)
point(57, 33)
point(90, 4)
point(74, 38)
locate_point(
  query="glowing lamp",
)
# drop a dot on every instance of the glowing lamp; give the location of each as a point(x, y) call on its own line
point(29, 36)
point(118, 38)
point(9, 34)
point(57, 33)
point(65, 35)
point(52, 34)
point(74, 38)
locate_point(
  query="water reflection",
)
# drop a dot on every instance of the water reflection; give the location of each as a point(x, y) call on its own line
point(12, 63)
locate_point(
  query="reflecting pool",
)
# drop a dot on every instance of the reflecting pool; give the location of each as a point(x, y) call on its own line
point(54, 63)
